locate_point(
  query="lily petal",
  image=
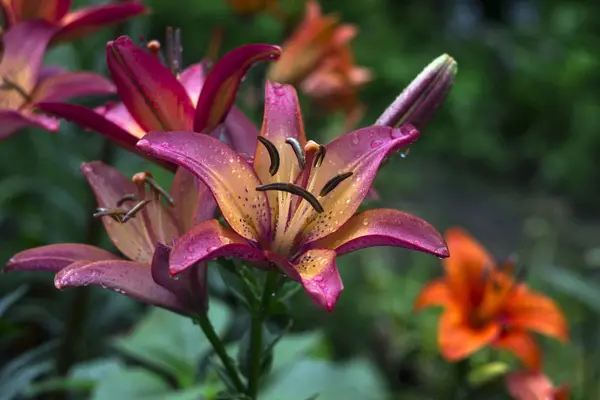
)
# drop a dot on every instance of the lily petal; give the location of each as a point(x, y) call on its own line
point(24, 48)
point(151, 93)
point(208, 241)
point(419, 101)
point(50, 10)
point(230, 179)
point(360, 152)
point(240, 132)
point(55, 257)
point(192, 78)
point(384, 227)
point(457, 340)
point(522, 345)
point(88, 20)
point(118, 113)
point(13, 121)
point(528, 310)
point(194, 203)
point(68, 85)
point(223, 80)
point(435, 293)
point(126, 277)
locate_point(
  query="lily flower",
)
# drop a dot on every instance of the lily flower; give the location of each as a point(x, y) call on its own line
point(294, 206)
point(527, 385)
point(485, 305)
point(24, 82)
point(157, 97)
point(68, 25)
point(142, 227)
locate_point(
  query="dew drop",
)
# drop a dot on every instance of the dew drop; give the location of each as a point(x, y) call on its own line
point(355, 139)
point(375, 144)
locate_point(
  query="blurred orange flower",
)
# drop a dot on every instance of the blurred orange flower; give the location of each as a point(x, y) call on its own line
point(249, 7)
point(526, 385)
point(485, 305)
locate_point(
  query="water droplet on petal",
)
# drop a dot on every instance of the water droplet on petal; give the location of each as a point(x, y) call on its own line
point(376, 143)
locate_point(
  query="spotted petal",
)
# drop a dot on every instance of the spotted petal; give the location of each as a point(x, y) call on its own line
point(151, 93)
point(126, 277)
point(208, 241)
point(384, 227)
point(231, 179)
point(55, 257)
point(67, 85)
point(360, 152)
point(13, 121)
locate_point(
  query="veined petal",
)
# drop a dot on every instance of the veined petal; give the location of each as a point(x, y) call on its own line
point(88, 20)
point(384, 227)
point(126, 277)
point(109, 186)
point(50, 10)
point(68, 85)
point(317, 272)
point(240, 132)
point(12, 121)
point(435, 293)
point(360, 152)
point(522, 345)
point(230, 179)
point(194, 203)
point(223, 80)
point(527, 310)
point(24, 48)
point(192, 78)
point(208, 241)
point(457, 339)
point(55, 257)
point(151, 93)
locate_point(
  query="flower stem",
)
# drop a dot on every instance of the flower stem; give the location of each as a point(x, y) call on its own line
point(217, 344)
point(259, 316)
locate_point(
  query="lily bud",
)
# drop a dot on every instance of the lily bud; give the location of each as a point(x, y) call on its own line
point(418, 102)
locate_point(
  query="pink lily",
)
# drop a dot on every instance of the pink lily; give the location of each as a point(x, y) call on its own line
point(68, 25)
point(294, 206)
point(25, 82)
point(143, 239)
point(154, 98)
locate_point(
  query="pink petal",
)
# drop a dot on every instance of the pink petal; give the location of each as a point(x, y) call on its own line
point(194, 202)
point(13, 121)
point(68, 85)
point(317, 271)
point(231, 180)
point(384, 227)
point(151, 93)
point(118, 113)
point(50, 10)
point(223, 80)
point(55, 257)
point(208, 241)
point(88, 20)
point(360, 152)
point(192, 78)
point(126, 277)
point(240, 132)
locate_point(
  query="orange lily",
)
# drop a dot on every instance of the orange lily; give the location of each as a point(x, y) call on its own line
point(534, 386)
point(484, 304)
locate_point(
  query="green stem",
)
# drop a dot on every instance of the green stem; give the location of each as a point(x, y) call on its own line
point(217, 344)
point(259, 316)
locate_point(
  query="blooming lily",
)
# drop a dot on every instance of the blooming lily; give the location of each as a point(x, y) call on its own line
point(68, 25)
point(484, 304)
point(294, 207)
point(142, 227)
point(25, 82)
point(156, 97)
point(528, 385)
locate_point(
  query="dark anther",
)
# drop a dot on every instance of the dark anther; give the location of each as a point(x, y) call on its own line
point(297, 151)
point(294, 189)
point(334, 182)
point(127, 197)
point(319, 156)
point(273, 154)
point(131, 213)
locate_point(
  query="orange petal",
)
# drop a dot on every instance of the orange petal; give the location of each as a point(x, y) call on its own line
point(435, 293)
point(457, 339)
point(522, 345)
point(528, 310)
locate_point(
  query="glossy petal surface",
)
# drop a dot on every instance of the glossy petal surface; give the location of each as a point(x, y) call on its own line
point(151, 93)
point(192, 78)
point(208, 241)
point(229, 177)
point(118, 113)
point(384, 227)
point(68, 85)
point(522, 345)
point(55, 257)
point(12, 121)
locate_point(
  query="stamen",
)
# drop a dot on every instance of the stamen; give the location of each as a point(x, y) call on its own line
point(153, 47)
point(297, 151)
point(9, 84)
point(127, 197)
point(131, 213)
point(319, 156)
point(273, 154)
point(294, 189)
point(115, 213)
point(174, 50)
point(334, 182)
point(146, 177)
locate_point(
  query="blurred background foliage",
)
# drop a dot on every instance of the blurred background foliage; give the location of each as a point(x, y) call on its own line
point(511, 156)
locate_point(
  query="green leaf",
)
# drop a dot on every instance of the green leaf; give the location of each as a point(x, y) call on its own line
point(11, 298)
point(292, 347)
point(574, 285)
point(132, 383)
